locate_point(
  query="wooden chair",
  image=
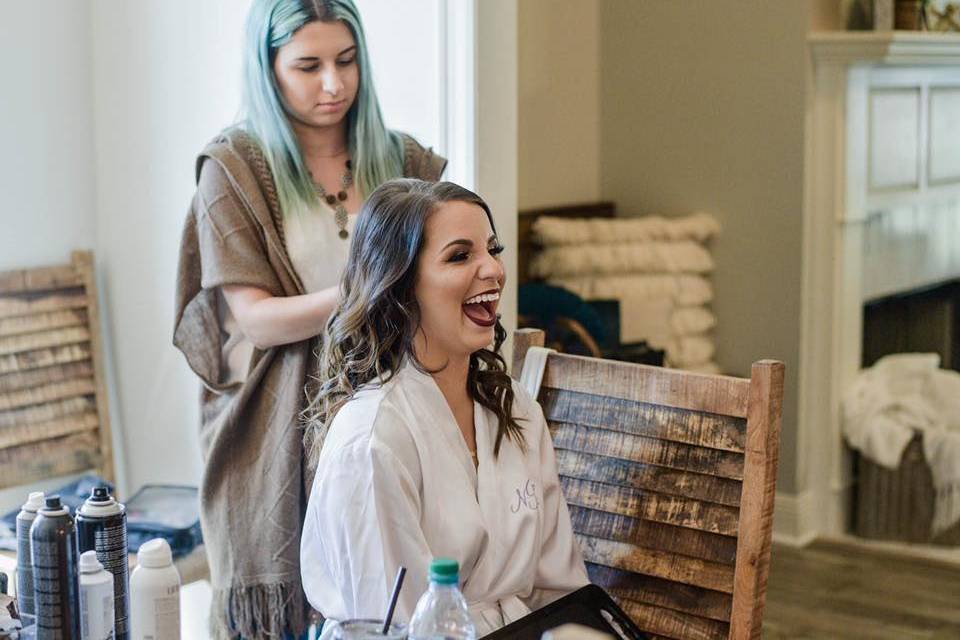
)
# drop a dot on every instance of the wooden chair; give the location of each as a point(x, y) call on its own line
point(54, 417)
point(670, 479)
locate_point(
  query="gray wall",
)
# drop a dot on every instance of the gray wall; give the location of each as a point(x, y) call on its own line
point(558, 67)
point(702, 108)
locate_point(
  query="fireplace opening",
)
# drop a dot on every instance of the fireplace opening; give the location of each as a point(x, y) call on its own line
point(918, 321)
point(898, 504)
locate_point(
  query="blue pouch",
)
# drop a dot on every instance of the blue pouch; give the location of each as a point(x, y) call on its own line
point(171, 512)
point(72, 495)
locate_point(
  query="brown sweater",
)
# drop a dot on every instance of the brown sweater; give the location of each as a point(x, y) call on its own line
point(252, 494)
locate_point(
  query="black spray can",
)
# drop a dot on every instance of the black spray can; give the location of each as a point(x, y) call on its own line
point(53, 551)
point(28, 513)
point(102, 527)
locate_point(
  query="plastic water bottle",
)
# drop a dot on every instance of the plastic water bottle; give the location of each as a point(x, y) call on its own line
point(441, 613)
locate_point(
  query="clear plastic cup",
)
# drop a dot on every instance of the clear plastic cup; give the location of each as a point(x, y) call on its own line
point(368, 630)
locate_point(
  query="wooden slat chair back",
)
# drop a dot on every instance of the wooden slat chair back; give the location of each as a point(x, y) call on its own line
point(669, 476)
point(54, 419)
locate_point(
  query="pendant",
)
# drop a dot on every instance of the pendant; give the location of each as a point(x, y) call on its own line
point(343, 234)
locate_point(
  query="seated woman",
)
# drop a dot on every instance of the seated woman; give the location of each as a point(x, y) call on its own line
point(428, 447)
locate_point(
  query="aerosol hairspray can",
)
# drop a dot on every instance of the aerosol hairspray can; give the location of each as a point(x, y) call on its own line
point(102, 527)
point(28, 513)
point(53, 552)
point(96, 599)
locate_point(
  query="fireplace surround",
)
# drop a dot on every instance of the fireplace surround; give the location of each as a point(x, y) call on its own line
point(881, 217)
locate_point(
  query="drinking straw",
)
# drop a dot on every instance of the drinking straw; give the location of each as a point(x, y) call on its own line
point(393, 599)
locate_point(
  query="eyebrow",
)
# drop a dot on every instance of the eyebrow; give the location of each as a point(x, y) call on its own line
point(465, 242)
point(316, 58)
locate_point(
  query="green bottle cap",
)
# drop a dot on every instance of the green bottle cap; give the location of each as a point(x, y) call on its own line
point(444, 571)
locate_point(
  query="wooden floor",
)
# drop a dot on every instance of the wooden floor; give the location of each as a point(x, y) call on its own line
point(836, 591)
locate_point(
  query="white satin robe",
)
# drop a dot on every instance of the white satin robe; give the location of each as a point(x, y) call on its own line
point(396, 485)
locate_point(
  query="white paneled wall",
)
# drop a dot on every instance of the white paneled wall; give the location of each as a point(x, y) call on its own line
point(908, 210)
point(910, 246)
point(895, 133)
point(944, 135)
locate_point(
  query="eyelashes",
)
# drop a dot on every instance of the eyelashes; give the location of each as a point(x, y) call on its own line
point(462, 256)
point(312, 68)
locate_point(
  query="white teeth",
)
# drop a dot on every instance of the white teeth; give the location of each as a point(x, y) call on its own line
point(486, 297)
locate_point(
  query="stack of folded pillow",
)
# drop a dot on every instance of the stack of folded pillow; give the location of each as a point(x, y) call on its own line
point(658, 269)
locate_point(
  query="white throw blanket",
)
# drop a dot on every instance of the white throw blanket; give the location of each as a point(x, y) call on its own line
point(684, 289)
point(658, 256)
point(902, 394)
point(550, 231)
point(655, 266)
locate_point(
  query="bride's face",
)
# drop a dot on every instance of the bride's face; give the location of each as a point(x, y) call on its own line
point(459, 280)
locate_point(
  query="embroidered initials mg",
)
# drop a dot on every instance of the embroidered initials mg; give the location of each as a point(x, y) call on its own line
point(526, 498)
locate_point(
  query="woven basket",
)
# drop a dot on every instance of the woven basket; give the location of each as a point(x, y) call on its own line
point(898, 505)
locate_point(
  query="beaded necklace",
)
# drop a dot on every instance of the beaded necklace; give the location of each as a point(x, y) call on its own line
point(337, 201)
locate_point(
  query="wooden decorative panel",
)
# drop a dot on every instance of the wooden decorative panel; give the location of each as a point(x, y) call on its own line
point(944, 165)
point(894, 155)
point(53, 404)
point(669, 477)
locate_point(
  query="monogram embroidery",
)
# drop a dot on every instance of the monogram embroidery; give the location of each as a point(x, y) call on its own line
point(526, 497)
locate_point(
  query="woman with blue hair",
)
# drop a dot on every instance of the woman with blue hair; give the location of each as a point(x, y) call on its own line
point(263, 247)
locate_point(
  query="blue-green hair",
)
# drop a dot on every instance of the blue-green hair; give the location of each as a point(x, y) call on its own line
point(376, 152)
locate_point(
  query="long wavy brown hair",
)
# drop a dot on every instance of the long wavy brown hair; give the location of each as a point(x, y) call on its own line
point(372, 331)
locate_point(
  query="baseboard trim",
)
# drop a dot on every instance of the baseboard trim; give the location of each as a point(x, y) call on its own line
point(937, 555)
point(792, 517)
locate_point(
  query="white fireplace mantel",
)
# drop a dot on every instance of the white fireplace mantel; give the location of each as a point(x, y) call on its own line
point(909, 83)
point(885, 47)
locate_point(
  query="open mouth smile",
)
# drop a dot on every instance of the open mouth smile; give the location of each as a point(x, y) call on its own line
point(481, 309)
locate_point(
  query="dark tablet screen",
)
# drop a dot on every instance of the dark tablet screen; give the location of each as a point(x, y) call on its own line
point(589, 606)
